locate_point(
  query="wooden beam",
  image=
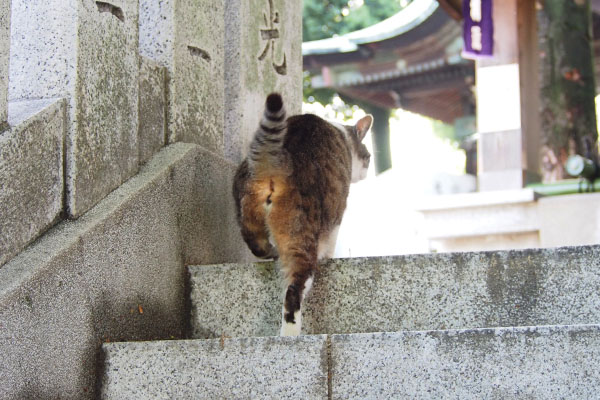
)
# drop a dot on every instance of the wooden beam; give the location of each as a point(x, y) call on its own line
point(453, 8)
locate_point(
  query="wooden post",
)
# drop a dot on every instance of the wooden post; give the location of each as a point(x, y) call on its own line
point(381, 138)
point(508, 100)
point(500, 146)
point(567, 88)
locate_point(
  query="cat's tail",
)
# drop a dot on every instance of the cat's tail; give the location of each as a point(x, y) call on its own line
point(266, 149)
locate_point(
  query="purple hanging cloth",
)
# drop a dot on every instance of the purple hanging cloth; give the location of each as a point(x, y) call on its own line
point(478, 29)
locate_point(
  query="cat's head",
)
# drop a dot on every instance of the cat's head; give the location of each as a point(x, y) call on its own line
point(360, 154)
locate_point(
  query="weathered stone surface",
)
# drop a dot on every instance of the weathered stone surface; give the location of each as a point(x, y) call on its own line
point(207, 221)
point(4, 53)
point(254, 368)
point(157, 30)
point(153, 103)
point(236, 300)
point(89, 54)
point(31, 173)
point(558, 362)
point(262, 54)
point(117, 273)
point(414, 292)
point(187, 37)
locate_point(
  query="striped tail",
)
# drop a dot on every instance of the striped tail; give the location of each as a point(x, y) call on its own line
point(266, 149)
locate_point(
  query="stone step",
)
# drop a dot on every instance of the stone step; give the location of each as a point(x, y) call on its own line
point(551, 362)
point(548, 362)
point(268, 367)
point(415, 292)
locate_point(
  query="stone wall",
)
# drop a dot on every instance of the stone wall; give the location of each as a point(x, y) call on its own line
point(31, 169)
point(263, 53)
point(139, 74)
point(187, 37)
point(87, 52)
point(100, 211)
point(223, 58)
point(117, 273)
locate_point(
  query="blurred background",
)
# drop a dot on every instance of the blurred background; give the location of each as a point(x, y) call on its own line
point(486, 131)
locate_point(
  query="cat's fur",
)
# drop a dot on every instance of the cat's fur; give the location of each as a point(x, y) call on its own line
point(291, 192)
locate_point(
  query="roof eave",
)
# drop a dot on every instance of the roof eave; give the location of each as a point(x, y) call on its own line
point(410, 17)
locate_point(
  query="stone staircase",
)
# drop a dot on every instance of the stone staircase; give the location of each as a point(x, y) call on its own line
point(507, 324)
point(121, 124)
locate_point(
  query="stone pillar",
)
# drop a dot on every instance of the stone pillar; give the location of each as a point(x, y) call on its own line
point(4, 53)
point(152, 106)
point(263, 53)
point(567, 87)
point(505, 137)
point(187, 37)
point(86, 51)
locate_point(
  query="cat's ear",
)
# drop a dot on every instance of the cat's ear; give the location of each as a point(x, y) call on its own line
point(363, 125)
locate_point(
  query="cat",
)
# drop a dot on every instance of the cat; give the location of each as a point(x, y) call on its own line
point(290, 193)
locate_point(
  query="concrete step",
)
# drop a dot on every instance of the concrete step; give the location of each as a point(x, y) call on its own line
point(269, 367)
point(414, 292)
point(532, 362)
point(553, 362)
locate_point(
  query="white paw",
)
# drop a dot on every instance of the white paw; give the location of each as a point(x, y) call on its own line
point(291, 329)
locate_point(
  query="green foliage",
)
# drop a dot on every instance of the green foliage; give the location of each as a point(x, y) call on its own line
point(372, 12)
point(323, 96)
point(323, 19)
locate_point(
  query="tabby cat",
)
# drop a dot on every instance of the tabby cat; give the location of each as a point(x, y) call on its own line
point(291, 192)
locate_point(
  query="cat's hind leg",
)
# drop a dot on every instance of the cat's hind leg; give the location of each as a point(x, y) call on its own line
point(291, 312)
point(291, 229)
point(327, 244)
point(253, 224)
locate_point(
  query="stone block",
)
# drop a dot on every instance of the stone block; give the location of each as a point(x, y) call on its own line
point(569, 220)
point(213, 294)
point(413, 292)
point(31, 173)
point(262, 54)
point(187, 37)
point(86, 51)
point(481, 221)
point(556, 362)
point(208, 224)
point(502, 241)
point(4, 54)
point(116, 273)
point(253, 368)
point(492, 220)
point(153, 103)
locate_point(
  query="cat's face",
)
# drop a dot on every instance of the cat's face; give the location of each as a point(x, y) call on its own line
point(360, 154)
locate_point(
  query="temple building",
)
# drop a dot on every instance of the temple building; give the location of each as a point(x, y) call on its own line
point(520, 112)
point(414, 61)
